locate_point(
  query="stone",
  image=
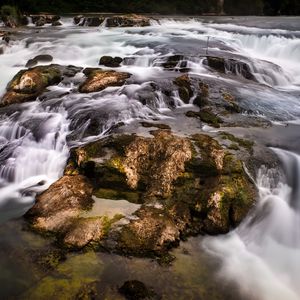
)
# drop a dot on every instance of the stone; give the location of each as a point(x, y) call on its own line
point(184, 88)
point(27, 85)
point(39, 58)
point(56, 208)
point(112, 62)
point(98, 79)
point(132, 20)
point(136, 290)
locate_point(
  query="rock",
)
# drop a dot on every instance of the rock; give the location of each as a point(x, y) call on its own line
point(77, 19)
point(56, 23)
point(232, 66)
point(216, 63)
point(173, 62)
point(112, 62)
point(128, 21)
point(206, 116)
point(27, 85)
point(136, 290)
point(98, 80)
point(88, 21)
point(47, 19)
point(184, 186)
point(152, 233)
point(56, 208)
point(184, 88)
point(12, 17)
point(40, 23)
point(39, 58)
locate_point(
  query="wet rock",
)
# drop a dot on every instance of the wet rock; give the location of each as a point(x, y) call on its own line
point(231, 66)
point(39, 58)
point(112, 62)
point(152, 233)
point(173, 62)
point(56, 208)
point(27, 85)
point(128, 21)
point(184, 88)
point(44, 19)
point(216, 63)
point(56, 23)
point(40, 22)
point(206, 116)
point(160, 126)
point(88, 21)
point(184, 186)
point(136, 290)
point(77, 19)
point(98, 80)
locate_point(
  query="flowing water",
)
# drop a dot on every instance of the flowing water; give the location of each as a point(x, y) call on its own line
point(261, 257)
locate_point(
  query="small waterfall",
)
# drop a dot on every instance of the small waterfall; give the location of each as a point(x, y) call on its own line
point(262, 256)
point(30, 161)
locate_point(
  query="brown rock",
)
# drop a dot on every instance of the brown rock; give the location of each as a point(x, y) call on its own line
point(56, 208)
point(29, 84)
point(128, 21)
point(98, 80)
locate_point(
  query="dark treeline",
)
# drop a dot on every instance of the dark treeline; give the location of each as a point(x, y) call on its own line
point(230, 7)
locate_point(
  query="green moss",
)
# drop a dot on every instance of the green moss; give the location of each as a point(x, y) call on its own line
point(210, 118)
point(108, 222)
point(115, 194)
point(248, 145)
point(234, 146)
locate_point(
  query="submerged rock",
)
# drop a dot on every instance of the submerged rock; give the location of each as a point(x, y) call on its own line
point(27, 85)
point(128, 21)
point(98, 80)
point(136, 290)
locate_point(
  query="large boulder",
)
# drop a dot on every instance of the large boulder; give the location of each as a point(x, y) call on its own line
point(159, 190)
point(27, 85)
point(132, 20)
point(98, 79)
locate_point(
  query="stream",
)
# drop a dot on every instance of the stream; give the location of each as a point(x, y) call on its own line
point(259, 260)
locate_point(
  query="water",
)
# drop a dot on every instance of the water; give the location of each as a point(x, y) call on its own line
point(261, 257)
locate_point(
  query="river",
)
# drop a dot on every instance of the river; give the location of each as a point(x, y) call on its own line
point(258, 260)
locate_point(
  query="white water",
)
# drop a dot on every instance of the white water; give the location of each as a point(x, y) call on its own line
point(272, 55)
point(262, 256)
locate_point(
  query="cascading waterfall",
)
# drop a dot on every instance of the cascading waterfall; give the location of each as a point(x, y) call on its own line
point(30, 162)
point(262, 255)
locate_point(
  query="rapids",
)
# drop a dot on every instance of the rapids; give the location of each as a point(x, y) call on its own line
point(262, 256)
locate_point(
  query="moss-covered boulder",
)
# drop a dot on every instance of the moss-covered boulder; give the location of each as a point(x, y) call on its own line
point(98, 79)
point(179, 186)
point(27, 85)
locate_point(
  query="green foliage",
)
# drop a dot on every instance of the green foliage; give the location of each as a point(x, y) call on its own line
point(196, 7)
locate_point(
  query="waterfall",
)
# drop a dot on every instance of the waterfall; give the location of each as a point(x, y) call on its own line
point(262, 256)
